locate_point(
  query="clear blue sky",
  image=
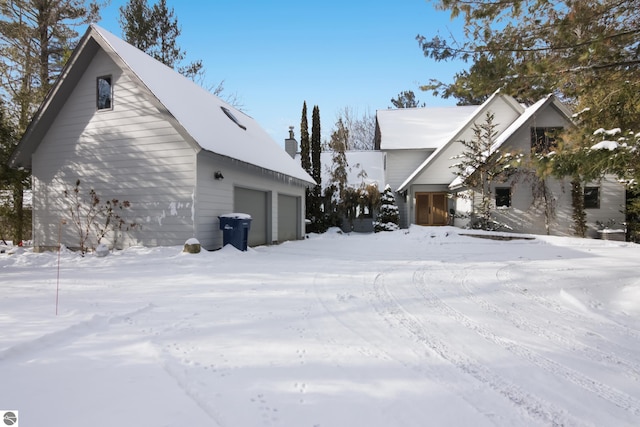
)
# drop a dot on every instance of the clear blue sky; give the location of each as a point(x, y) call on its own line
point(332, 53)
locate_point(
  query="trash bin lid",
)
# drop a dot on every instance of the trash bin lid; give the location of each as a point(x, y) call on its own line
point(236, 216)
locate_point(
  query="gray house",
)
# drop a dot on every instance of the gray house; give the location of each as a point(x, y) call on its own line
point(133, 129)
point(420, 146)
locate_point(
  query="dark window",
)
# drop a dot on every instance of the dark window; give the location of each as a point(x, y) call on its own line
point(503, 197)
point(233, 118)
point(104, 93)
point(543, 140)
point(592, 197)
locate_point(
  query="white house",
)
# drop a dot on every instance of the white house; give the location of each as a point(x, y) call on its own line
point(420, 146)
point(133, 129)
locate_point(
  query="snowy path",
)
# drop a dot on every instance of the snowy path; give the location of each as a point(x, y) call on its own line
point(394, 329)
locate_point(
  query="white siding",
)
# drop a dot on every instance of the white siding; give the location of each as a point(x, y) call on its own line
point(612, 206)
point(440, 170)
point(400, 164)
point(128, 153)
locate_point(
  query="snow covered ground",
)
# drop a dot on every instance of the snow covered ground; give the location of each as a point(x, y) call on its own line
point(419, 327)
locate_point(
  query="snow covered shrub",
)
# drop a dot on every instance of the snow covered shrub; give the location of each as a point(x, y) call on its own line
point(388, 216)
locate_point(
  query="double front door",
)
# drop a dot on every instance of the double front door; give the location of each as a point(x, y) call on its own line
point(431, 209)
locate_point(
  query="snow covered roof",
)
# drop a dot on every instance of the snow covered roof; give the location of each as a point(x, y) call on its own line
point(214, 125)
point(420, 128)
point(230, 133)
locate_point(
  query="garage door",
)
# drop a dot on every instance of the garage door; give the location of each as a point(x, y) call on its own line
point(254, 203)
point(288, 217)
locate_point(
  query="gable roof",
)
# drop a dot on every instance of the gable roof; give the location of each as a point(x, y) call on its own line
point(522, 120)
point(527, 114)
point(470, 119)
point(420, 128)
point(201, 114)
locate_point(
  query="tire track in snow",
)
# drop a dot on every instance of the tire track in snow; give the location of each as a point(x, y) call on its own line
point(71, 333)
point(467, 394)
point(630, 368)
point(390, 308)
point(504, 276)
point(610, 394)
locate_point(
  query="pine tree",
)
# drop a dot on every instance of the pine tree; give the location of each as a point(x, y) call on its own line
point(35, 40)
point(406, 99)
point(155, 30)
point(137, 24)
point(388, 216)
point(7, 175)
point(585, 50)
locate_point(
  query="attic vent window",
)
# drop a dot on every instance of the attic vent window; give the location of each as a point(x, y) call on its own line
point(233, 118)
point(104, 93)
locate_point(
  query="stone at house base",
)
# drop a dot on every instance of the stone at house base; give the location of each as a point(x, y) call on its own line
point(192, 246)
point(102, 250)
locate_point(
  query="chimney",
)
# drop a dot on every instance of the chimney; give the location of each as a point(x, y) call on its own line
point(290, 144)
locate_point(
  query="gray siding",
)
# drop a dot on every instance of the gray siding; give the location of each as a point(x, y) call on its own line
point(128, 153)
point(215, 197)
point(289, 217)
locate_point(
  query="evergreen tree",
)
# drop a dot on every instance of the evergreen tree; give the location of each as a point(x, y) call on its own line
point(388, 216)
point(305, 145)
point(155, 30)
point(316, 146)
point(406, 99)
point(305, 162)
point(584, 50)
point(316, 171)
point(137, 24)
point(337, 188)
point(8, 216)
point(35, 40)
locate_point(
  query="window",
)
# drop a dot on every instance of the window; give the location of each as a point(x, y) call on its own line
point(591, 197)
point(233, 118)
point(543, 140)
point(503, 197)
point(104, 93)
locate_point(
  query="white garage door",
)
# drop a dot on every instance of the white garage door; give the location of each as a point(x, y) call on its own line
point(254, 203)
point(288, 217)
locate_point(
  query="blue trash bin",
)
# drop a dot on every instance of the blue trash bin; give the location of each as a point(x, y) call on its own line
point(235, 229)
